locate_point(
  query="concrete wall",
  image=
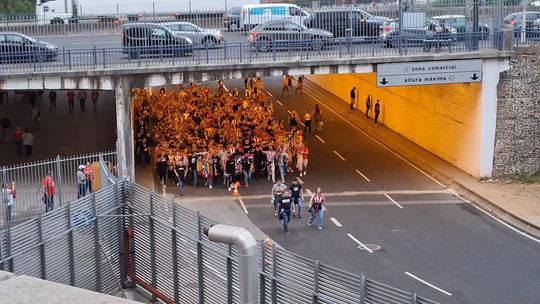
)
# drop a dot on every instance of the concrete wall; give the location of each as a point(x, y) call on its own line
point(517, 144)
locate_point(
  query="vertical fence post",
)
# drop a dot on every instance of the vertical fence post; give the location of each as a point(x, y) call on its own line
point(274, 274)
point(200, 259)
point(262, 281)
point(229, 277)
point(362, 288)
point(58, 174)
point(8, 247)
point(152, 245)
point(4, 195)
point(104, 59)
point(96, 243)
point(41, 248)
point(71, 247)
point(175, 255)
point(316, 282)
point(413, 297)
point(120, 227)
point(69, 59)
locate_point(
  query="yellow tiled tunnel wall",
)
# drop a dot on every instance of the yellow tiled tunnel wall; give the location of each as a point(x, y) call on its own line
point(443, 119)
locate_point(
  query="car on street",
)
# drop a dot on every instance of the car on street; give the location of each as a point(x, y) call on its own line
point(287, 34)
point(231, 19)
point(458, 22)
point(417, 35)
point(346, 22)
point(515, 21)
point(16, 47)
point(209, 38)
point(153, 39)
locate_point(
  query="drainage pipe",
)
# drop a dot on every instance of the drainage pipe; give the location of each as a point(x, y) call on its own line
point(247, 257)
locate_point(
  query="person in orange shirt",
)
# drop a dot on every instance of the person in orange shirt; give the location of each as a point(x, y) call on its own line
point(89, 176)
point(49, 191)
point(71, 100)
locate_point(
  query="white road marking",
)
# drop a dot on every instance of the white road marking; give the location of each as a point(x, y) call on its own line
point(360, 244)
point(365, 177)
point(319, 138)
point(270, 94)
point(495, 218)
point(300, 181)
point(378, 142)
point(342, 158)
point(427, 283)
point(336, 222)
point(243, 205)
point(393, 201)
point(309, 192)
point(279, 102)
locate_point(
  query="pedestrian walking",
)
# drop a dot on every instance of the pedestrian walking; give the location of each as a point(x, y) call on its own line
point(247, 161)
point(294, 118)
point(230, 170)
point(285, 85)
point(71, 100)
point(162, 166)
point(49, 191)
point(377, 111)
point(276, 194)
point(28, 142)
point(317, 207)
point(36, 117)
point(6, 127)
point(7, 198)
point(180, 172)
point(89, 176)
point(302, 159)
point(270, 163)
point(284, 206)
point(193, 159)
point(18, 141)
point(82, 99)
point(299, 85)
point(81, 182)
point(352, 94)
point(52, 100)
point(297, 197)
point(368, 105)
point(317, 119)
point(282, 162)
point(307, 122)
point(94, 96)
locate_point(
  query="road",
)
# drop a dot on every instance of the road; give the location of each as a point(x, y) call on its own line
point(417, 228)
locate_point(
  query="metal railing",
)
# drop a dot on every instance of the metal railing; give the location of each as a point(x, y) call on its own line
point(171, 253)
point(28, 180)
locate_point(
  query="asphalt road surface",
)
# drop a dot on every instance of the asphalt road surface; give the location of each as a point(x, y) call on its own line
point(421, 235)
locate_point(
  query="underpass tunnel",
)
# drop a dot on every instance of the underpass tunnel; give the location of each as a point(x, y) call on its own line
point(445, 119)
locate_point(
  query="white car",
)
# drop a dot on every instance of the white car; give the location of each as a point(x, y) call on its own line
point(209, 38)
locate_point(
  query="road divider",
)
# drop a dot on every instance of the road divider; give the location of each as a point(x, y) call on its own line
point(365, 177)
point(427, 283)
point(393, 201)
point(339, 155)
point(360, 244)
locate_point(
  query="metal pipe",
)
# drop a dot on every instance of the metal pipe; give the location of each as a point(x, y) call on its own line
point(247, 257)
point(128, 235)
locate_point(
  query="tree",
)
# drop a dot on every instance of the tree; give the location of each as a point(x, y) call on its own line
point(17, 6)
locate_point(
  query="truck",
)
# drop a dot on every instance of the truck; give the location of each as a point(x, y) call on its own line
point(71, 11)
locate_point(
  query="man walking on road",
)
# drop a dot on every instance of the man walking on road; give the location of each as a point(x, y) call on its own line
point(94, 96)
point(49, 191)
point(52, 100)
point(28, 142)
point(353, 98)
point(317, 207)
point(297, 197)
point(284, 207)
point(18, 141)
point(368, 105)
point(277, 193)
point(377, 111)
point(82, 99)
point(71, 100)
point(7, 198)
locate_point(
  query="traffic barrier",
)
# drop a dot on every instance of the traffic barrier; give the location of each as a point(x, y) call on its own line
point(235, 187)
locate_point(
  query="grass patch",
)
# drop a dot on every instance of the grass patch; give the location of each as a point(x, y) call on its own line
point(530, 179)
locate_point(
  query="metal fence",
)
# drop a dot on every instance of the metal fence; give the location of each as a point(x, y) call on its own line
point(71, 245)
point(28, 182)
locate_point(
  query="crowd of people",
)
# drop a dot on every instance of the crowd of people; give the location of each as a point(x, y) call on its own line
point(203, 137)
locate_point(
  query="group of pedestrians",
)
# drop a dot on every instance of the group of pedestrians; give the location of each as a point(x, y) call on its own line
point(85, 179)
point(369, 100)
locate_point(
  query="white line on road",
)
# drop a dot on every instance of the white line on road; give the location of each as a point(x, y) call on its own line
point(342, 158)
point(365, 177)
point(279, 102)
point(360, 244)
point(428, 284)
point(336, 222)
point(243, 205)
point(300, 181)
point(319, 138)
point(309, 192)
point(393, 201)
point(270, 94)
point(494, 217)
point(376, 141)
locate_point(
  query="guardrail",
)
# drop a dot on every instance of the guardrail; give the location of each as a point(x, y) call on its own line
point(28, 179)
point(244, 52)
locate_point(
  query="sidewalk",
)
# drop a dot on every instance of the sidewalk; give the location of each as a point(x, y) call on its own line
point(515, 203)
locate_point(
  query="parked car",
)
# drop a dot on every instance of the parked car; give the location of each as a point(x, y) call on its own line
point(153, 39)
point(429, 30)
point(16, 47)
point(514, 21)
point(231, 19)
point(209, 38)
point(346, 22)
point(458, 22)
point(288, 34)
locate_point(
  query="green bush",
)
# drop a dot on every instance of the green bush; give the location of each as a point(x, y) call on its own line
point(17, 6)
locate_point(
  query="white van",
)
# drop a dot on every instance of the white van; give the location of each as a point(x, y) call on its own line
point(255, 14)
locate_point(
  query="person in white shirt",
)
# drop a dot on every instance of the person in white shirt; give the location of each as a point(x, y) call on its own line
point(7, 198)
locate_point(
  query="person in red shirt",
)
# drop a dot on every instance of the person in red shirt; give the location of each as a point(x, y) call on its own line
point(89, 176)
point(49, 191)
point(17, 140)
point(304, 150)
point(71, 100)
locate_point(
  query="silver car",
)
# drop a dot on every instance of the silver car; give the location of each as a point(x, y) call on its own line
point(287, 34)
point(209, 38)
